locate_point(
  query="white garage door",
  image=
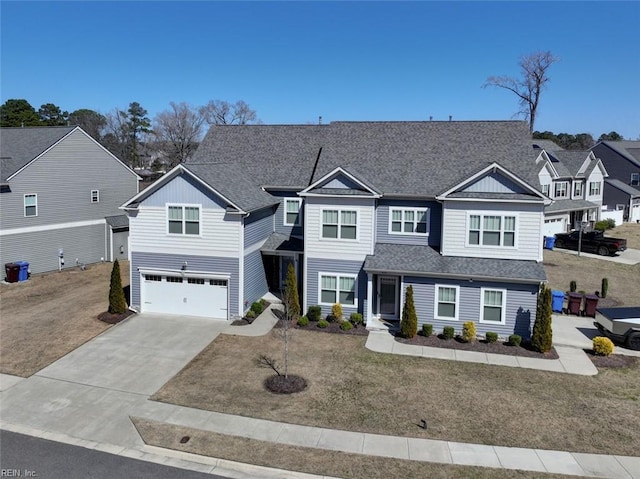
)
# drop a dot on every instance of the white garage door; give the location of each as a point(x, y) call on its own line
point(553, 226)
point(634, 214)
point(184, 295)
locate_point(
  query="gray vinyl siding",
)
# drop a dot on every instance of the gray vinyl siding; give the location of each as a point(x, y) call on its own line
point(258, 226)
point(280, 227)
point(613, 196)
point(63, 179)
point(120, 238)
point(494, 183)
point(520, 305)
point(434, 222)
point(210, 264)
point(616, 165)
point(255, 280)
point(40, 248)
point(184, 190)
point(317, 265)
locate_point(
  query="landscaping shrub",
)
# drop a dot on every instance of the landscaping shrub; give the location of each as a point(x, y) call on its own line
point(602, 346)
point(257, 308)
point(303, 321)
point(336, 311)
point(345, 325)
point(515, 340)
point(491, 337)
point(291, 293)
point(448, 332)
point(573, 286)
point(409, 321)
point(314, 313)
point(469, 331)
point(355, 318)
point(604, 287)
point(427, 330)
point(323, 323)
point(542, 334)
point(604, 225)
point(250, 314)
point(117, 301)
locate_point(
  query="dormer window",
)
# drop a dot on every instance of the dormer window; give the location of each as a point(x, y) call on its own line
point(561, 189)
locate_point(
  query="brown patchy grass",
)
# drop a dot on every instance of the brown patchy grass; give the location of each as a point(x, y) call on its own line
point(52, 314)
point(629, 231)
point(355, 389)
point(313, 461)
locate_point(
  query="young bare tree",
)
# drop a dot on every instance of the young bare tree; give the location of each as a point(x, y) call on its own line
point(178, 131)
point(220, 112)
point(528, 88)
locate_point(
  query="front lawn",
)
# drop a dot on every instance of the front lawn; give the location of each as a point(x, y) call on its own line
point(352, 388)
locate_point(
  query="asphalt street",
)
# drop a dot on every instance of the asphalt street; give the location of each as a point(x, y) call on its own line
point(26, 456)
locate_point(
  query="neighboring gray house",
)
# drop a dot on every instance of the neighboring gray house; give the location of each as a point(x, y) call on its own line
point(361, 209)
point(60, 193)
point(622, 188)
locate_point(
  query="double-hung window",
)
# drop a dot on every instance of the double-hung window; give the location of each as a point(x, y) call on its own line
point(635, 179)
point(183, 220)
point(292, 211)
point(446, 305)
point(408, 221)
point(545, 189)
point(95, 196)
point(561, 189)
point(594, 188)
point(577, 189)
point(492, 230)
point(339, 224)
point(31, 205)
point(493, 305)
point(337, 289)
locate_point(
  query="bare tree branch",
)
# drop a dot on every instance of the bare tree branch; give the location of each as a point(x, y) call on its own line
point(178, 132)
point(265, 361)
point(220, 112)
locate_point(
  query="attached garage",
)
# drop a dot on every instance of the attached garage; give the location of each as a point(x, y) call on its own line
point(634, 214)
point(554, 225)
point(184, 294)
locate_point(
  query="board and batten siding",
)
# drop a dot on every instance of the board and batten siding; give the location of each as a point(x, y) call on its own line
point(280, 227)
point(258, 226)
point(255, 279)
point(520, 313)
point(434, 222)
point(63, 178)
point(186, 190)
point(201, 264)
point(40, 248)
point(318, 247)
point(529, 222)
point(318, 265)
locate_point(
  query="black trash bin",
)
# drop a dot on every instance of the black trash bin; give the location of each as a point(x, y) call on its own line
point(575, 301)
point(590, 305)
point(12, 272)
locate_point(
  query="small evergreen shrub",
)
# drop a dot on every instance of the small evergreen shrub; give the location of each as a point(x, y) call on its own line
point(314, 313)
point(117, 300)
point(264, 303)
point(491, 337)
point(469, 331)
point(448, 332)
point(250, 314)
point(355, 318)
point(542, 336)
point(573, 286)
point(323, 323)
point(409, 321)
point(604, 225)
point(336, 311)
point(427, 330)
point(303, 321)
point(515, 340)
point(331, 318)
point(345, 325)
point(602, 346)
point(257, 307)
point(604, 287)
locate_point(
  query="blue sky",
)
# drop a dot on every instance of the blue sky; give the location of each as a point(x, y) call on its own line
point(295, 61)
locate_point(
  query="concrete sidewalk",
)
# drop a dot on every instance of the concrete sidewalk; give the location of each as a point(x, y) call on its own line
point(629, 256)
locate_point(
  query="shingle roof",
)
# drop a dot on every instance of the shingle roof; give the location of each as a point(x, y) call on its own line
point(569, 205)
point(571, 159)
point(399, 158)
point(117, 221)
point(396, 258)
point(627, 148)
point(278, 242)
point(630, 190)
point(546, 145)
point(18, 146)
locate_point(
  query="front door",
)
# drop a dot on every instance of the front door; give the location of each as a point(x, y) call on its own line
point(388, 297)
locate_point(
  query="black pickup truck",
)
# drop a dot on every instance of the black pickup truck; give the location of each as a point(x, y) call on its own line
point(621, 324)
point(592, 242)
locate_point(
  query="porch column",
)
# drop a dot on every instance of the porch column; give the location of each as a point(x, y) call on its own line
point(369, 304)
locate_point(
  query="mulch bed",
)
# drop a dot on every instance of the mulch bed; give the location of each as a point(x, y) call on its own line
point(612, 361)
point(114, 318)
point(333, 328)
point(280, 385)
point(481, 346)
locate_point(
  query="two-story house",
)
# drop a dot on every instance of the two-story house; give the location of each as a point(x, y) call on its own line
point(60, 193)
point(622, 188)
point(362, 209)
point(574, 180)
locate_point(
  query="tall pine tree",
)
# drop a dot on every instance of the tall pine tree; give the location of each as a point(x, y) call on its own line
point(291, 293)
point(409, 321)
point(117, 301)
point(542, 334)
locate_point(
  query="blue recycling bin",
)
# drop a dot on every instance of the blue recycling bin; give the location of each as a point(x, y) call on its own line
point(549, 242)
point(23, 274)
point(557, 301)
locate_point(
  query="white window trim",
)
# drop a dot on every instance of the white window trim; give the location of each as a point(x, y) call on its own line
point(545, 189)
point(556, 185)
point(503, 313)
point(502, 215)
point(183, 206)
point(578, 194)
point(340, 211)
point(435, 302)
point(592, 185)
point(298, 219)
point(24, 205)
point(415, 222)
point(95, 194)
point(338, 276)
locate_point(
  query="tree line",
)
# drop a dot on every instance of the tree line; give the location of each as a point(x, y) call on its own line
point(168, 139)
point(580, 141)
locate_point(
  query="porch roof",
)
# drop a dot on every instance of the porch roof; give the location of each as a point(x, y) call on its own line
point(569, 205)
point(279, 243)
point(426, 261)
